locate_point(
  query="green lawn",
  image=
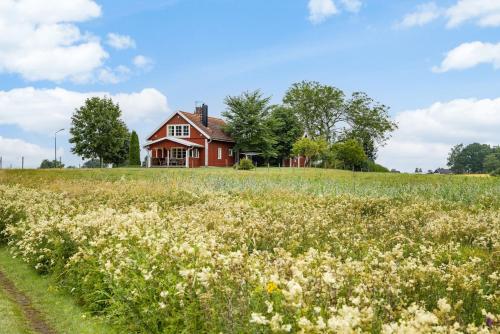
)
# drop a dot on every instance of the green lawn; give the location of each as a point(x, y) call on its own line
point(58, 308)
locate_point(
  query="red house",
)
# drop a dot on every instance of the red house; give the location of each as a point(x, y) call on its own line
point(190, 140)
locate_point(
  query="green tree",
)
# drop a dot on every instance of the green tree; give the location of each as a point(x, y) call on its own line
point(351, 153)
point(98, 132)
point(469, 159)
point(247, 121)
point(51, 164)
point(369, 123)
point(286, 129)
point(134, 155)
point(455, 161)
point(320, 108)
point(309, 149)
point(92, 163)
point(491, 162)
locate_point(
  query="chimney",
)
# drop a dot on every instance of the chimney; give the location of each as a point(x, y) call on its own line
point(204, 114)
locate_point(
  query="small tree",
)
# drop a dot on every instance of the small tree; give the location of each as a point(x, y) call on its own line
point(134, 155)
point(351, 153)
point(308, 148)
point(98, 132)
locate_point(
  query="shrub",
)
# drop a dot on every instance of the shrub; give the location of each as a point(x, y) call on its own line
point(372, 166)
point(245, 164)
point(496, 172)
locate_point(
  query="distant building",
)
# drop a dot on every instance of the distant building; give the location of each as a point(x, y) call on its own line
point(395, 171)
point(443, 171)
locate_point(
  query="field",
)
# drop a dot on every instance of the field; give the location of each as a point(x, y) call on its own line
point(265, 251)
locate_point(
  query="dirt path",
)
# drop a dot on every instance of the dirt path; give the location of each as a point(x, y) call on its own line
point(33, 316)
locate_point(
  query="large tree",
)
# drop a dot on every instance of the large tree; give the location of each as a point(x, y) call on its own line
point(369, 123)
point(134, 155)
point(247, 121)
point(98, 132)
point(468, 159)
point(320, 108)
point(286, 128)
point(325, 113)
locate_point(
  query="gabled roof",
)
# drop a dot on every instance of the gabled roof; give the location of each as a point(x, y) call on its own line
point(214, 128)
point(175, 140)
point(213, 131)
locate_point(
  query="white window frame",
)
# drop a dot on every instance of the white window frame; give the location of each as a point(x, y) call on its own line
point(195, 153)
point(174, 129)
point(219, 153)
point(176, 155)
point(230, 152)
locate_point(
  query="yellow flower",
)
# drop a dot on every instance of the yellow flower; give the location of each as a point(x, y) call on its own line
point(271, 286)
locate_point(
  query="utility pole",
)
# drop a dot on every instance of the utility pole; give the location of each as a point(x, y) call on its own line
point(0, 162)
point(22, 162)
point(55, 146)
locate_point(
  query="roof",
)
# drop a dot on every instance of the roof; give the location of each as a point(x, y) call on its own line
point(175, 140)
point(214, 128)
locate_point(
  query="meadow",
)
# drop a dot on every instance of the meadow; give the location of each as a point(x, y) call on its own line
point(264, 251)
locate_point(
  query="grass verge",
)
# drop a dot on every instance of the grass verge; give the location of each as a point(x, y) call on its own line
point(58, 308)
point(11, 318)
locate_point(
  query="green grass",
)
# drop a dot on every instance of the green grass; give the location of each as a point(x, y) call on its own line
point(58, 307)
point(11, 318)
point(461, 189)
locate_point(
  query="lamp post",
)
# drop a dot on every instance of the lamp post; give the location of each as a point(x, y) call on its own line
point(55, 146)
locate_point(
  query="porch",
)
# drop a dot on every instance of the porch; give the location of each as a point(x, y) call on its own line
point(174, 153)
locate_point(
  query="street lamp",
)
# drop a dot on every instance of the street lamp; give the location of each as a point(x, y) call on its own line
point(55, 146)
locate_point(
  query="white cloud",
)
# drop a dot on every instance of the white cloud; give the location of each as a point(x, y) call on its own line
point(425, 136)
point(485, 13)
point(120, 42)
point(143, 62)
point(468, 55)
point(320, 10)
point(39, 40)
point(424, 14)
point(43, 110)
point(352, 5)
point(12, 150)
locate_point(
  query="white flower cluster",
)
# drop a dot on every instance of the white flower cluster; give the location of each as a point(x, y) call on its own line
point(213, 262)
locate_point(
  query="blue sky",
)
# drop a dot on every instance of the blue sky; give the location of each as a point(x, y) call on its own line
point(434, 63)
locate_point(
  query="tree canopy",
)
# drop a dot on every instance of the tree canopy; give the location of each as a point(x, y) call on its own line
point(247, 121)
point(473, 158)
point(98, 132)
point(325, 113)
point(350, 153)
point(286, 129)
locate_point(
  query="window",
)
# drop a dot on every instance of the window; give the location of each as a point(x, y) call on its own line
point(230, 152)
point(195, 153)
point(178, 153)
point(219, 153)
point(178, 130)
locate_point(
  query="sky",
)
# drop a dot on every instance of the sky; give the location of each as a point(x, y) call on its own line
point(435, 64)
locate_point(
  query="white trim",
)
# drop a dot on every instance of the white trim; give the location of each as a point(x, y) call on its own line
point(175, 130)
point(175, 140)
point(219, 153)
point(178, 112)
point(206, 152)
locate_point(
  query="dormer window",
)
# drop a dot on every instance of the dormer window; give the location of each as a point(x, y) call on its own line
point(178, 130)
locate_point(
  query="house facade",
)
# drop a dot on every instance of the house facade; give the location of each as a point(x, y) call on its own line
point(190, 140)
